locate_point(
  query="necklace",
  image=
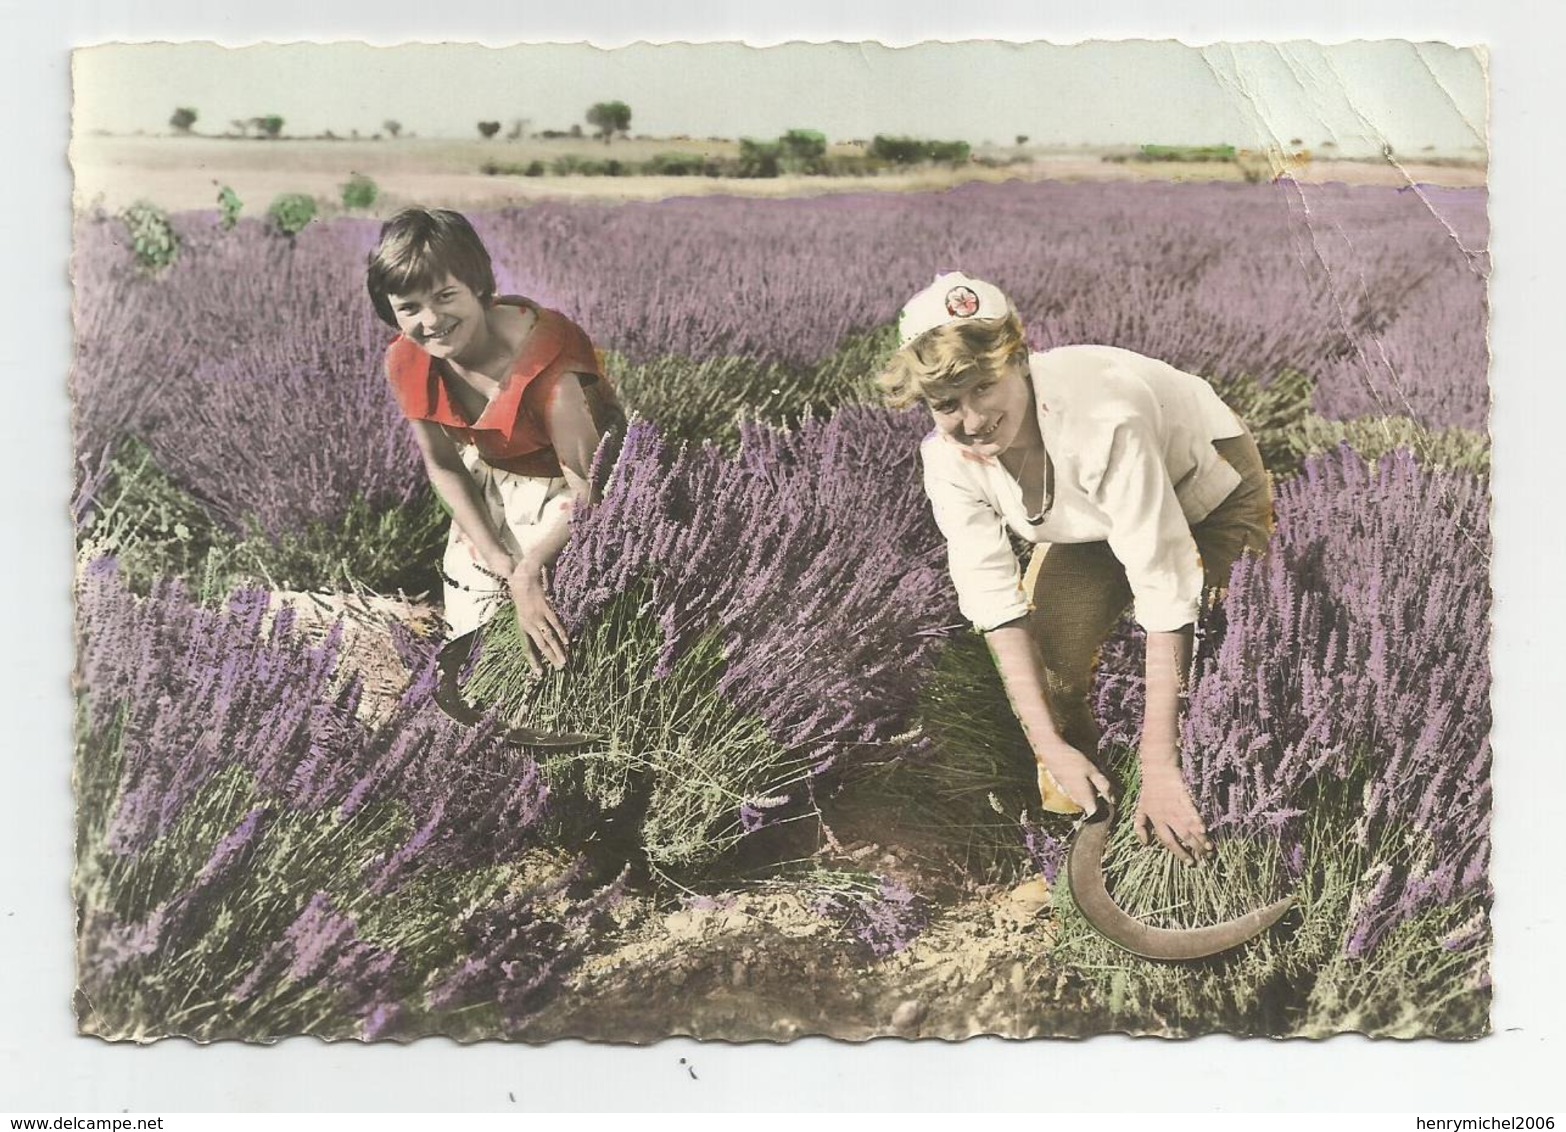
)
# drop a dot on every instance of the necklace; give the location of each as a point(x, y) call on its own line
point(1047, 499)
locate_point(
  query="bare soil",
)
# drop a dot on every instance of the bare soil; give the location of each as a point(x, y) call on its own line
point(185, 173)
point(764, 966)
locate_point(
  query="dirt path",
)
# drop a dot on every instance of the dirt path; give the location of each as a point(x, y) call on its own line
point(765, 966)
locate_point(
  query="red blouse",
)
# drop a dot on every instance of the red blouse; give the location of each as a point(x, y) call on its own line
point(512, 431)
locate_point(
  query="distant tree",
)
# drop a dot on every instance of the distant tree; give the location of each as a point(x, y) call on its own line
point(268, 125)
point(609, 118)
point(183, 118)
point(517, 130)
point(802, 151)
point(575, 131)
point(1022, 140)
point(488, 129)
point(392, 127)
point(760, 158)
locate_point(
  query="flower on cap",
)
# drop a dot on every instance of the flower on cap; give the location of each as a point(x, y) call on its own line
point(961, 302)
point(952, 297)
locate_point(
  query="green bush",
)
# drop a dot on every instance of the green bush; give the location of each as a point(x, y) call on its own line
point(230, 206)
point(1274, 413)
point(573, 165)
point(1456, 449)
point(912, 151)
point(383, 550)
point(534, 168)
point(678, 165)
point(950, 152)
point(1193, 153)
point(851, 165)
point(1287, 429)
point(152, 238)
point(359, 192)
point(289, 213)
point(154, 528)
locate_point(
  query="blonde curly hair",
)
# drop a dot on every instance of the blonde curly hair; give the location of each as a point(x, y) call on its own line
point(947, 359)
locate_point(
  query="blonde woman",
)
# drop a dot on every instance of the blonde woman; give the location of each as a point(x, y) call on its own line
point(1139, 489)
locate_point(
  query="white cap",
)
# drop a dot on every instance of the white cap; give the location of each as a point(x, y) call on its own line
point(953, 297)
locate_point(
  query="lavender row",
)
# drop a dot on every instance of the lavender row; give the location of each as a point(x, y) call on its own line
point(1356, 652)
point(251, 371)
point(254, 362)
point(1379, 294)
point(226, 776)
point(810, 557)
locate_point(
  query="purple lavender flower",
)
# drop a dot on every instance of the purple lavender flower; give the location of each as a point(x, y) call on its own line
point(886, 921)
point(1047, 852)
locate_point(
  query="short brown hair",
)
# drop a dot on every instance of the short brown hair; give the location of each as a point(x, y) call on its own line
point(944, 360)
point(418, 248)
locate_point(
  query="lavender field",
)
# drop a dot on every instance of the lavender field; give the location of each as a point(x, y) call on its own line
point(806, 806)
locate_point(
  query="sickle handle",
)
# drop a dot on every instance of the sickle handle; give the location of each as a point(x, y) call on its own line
point(1085, 875)
point(450, 661)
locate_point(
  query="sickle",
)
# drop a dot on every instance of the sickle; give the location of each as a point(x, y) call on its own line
point(450, 661)
point(1085, 875)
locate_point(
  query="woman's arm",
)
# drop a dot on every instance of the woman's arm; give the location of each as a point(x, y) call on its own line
point(574, 435)
point(1164, 807)
point(1022, 674)
point(1150, 536)
point(457, 490)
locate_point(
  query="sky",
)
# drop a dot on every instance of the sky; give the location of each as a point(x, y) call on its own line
point(1415, 97)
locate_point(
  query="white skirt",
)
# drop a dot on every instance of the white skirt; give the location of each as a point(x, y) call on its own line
point(520, 509)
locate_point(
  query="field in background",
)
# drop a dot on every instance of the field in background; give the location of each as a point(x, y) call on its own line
point(184, 173)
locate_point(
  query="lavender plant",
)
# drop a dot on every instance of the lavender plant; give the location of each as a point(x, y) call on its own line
point(757, 627)
point(702, 400)
point(806, 543)
point(255, 861)
point(1378, 295)
point(1337, 744)
point(884, 915)
point(1363, 290)
point(213, 410)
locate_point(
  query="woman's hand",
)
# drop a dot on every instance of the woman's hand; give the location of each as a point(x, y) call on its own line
point(1164, 809)
point(541, 627)
point(1069, 770)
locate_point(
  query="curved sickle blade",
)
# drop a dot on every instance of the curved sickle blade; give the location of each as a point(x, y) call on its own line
point(1085, 875)
point(452, 659)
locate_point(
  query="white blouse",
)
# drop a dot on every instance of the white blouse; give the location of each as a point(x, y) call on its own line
point(1131, 440)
